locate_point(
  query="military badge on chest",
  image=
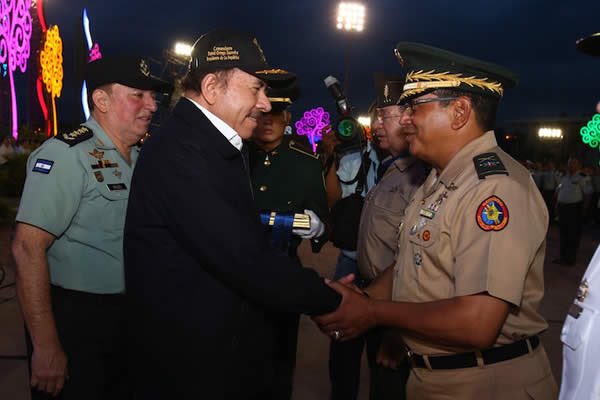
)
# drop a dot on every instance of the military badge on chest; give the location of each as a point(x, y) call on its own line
point(429, 213)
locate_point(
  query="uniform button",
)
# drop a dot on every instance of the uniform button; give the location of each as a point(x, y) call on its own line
point(267, 163)
point(263, 188)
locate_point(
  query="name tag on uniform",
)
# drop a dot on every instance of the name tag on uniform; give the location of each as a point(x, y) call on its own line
point(427, 213)
point(116, 186)
point(43, 166)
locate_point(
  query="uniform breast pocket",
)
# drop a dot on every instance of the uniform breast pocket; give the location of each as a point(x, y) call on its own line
point(391, 201)
point(108, 206)
point(113, 191)
point(579, 334)
point(575, 332)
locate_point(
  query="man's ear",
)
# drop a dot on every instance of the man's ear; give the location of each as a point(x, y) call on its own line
point(210, 88)
point(461, 112)
point(287, 117)
point(100, 98)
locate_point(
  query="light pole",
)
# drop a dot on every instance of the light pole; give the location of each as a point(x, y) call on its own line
point(350, 18)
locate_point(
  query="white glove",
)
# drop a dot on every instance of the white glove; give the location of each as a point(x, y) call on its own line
point(317, 227)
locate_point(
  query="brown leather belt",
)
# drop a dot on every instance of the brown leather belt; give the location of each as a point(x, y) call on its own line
point(469, 360)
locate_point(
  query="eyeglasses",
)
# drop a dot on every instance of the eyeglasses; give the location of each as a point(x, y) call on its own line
point(412, 103)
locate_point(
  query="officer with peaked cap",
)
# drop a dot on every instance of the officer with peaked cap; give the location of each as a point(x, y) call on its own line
point(287, 179)
point(68, 245)
point(286, 174)
point(399, 176)
point(467, 282)
point(203, 280)
point(580, 333)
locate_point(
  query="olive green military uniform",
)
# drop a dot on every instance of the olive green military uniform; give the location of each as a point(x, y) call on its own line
point(77, 189)
point(383, 213)
point(289, 179)
point(478, 227)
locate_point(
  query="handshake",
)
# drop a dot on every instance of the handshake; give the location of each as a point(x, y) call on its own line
point(356, 315)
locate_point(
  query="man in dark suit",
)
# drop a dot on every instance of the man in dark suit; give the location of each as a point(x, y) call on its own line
point(202, 280)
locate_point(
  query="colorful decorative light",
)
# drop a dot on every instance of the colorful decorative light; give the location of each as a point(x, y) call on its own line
point(39, 84)
point(93, 55)
point(590, 134)
point(311, 125)
point(51, 61)
point(40, 13)
point(15, 34)
point(40, 94)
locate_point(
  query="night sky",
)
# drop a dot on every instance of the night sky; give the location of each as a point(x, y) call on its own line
point(535, 38)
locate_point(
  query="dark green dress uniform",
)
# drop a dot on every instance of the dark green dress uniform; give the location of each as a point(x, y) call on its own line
point(289, 179)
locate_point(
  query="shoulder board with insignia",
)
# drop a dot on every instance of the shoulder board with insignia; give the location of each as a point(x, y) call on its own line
point(487, 164)
point(79, 135)
point(302, 148)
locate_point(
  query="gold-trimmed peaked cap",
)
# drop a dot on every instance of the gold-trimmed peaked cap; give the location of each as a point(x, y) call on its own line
point(429, 68)
point(283, 89)
point(590, 45)
point(388, 88)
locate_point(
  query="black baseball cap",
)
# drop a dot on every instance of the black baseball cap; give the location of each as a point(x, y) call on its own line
point(223, 49)
point(130, 71)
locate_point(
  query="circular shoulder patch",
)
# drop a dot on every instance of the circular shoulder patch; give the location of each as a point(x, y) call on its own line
point(492, 214)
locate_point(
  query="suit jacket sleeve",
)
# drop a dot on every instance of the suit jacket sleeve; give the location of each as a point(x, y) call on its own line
point(210, 211)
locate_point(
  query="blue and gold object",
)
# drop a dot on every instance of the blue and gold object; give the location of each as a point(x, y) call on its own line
point(281, 225)
point(295, 220)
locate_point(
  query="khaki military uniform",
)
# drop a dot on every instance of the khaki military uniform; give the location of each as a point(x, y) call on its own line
point(383, 213)
point(479, 226)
